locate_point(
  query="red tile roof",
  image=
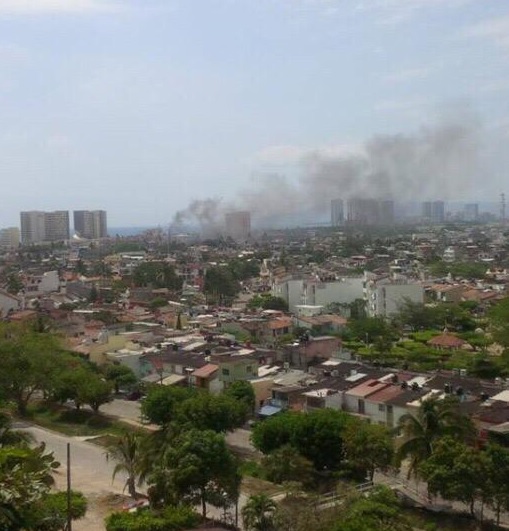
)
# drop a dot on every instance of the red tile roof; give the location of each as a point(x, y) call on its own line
point(447, 340)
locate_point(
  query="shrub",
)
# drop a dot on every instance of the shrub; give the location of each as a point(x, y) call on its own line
point(170, 519)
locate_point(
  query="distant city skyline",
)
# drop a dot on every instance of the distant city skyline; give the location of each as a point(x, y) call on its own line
point(143, 106)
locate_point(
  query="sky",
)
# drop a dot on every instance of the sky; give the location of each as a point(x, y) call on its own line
point(139, 107)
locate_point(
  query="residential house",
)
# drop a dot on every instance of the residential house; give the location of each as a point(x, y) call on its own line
point(8, 303)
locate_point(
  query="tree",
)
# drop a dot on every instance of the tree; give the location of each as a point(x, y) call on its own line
point(157, 275)
point(206, 411)
point(220, 284)
point(377, 511)
point(83, 386)
point(369, 329)
point(498, 478)
point(243, 392)
point(126, 451)
point(161, 403)
point(287, 464)
point(456, 471)
point(29, 359)
point(95, 392)
point(119, 375)
point(435, 419)
point(258, 513)
point(198, 468)
point(317, 435)
point(274, 432)
point(14, 283)
point(50, 512)
point(26, 477)
point(93, 296)
point(368, 447)
point(499, 320)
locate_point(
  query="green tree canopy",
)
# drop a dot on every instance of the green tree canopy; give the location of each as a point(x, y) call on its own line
point(198, 468)
point(378, 511)
point(242, 391)
point(119, 375)
point(317, 435)
point(456, 472)
point(435, 419)
point(258, 513)
point(206, 411)
point(156, 275)
point(221, 286)
point(161, 403)
point(368, 447)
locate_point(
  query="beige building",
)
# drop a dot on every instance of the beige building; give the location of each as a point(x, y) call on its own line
point(38, 227)
point(9, 237)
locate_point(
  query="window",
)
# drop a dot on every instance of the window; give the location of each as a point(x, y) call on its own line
point(226, 372)
point(249, 369)
point(381, 407)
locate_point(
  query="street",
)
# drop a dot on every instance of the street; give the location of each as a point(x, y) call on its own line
point(91, 473)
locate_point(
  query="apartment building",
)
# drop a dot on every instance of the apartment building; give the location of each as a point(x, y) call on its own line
point(385, 296)
point(297, 292)
point(9, 237)
point(90, 224)
point(38, 227)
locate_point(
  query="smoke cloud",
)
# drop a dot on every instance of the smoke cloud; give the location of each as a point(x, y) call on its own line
point(436, 162)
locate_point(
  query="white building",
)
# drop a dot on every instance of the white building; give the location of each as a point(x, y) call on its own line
point(309, 292)
point(384, 297)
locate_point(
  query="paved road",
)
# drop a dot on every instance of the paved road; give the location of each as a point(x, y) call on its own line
point(128, 409)
point(90, 472)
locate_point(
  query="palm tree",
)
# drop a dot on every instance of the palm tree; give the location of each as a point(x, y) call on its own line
point(435, 419)
point(127, 452)
point(258, 513)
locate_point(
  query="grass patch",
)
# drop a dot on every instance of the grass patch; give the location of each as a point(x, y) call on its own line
point(252, 469)
point(73, 422)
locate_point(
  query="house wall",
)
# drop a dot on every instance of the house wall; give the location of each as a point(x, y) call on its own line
point(8, 304)
point(385, 300)
point(131, 360)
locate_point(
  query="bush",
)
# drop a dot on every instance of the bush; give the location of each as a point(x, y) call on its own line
point(170, 519)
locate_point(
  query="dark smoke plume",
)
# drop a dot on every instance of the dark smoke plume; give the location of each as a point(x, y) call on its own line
point(436, 162)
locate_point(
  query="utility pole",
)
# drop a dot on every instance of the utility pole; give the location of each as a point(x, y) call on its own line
point(69, 515)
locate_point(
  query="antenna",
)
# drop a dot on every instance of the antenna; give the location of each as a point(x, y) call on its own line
point(502, 208)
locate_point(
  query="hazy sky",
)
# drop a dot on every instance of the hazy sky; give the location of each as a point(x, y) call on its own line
point(140, 106)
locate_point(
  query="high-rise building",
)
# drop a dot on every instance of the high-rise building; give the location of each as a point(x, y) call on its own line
point(386, 212)
point(433, 211)
point(37, 226)
point(370, 211)
point(90, 224)
point(337, 212)
point(471, 212)
point(32, 227)
point(56, 225)
point(9, 237)
point(238, 225)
